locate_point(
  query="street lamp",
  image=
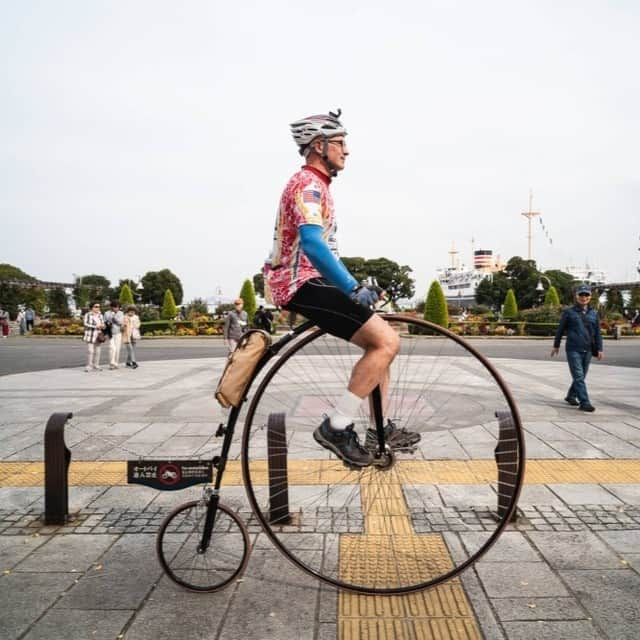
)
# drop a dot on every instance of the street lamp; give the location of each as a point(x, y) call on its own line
point(540, 286)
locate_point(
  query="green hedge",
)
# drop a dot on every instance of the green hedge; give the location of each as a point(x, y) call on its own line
point(182, 327)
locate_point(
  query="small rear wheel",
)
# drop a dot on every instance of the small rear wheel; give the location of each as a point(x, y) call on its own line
point(179, 547)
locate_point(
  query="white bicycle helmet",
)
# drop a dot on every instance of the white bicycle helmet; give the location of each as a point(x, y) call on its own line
point(308, 129)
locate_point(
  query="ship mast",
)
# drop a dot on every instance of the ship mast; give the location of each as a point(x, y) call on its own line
point(530, 215)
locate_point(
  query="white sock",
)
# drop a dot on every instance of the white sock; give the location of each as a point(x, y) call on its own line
point(344, 411)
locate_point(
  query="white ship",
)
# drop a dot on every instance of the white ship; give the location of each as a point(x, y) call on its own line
point(459, 283)
point(587, 274)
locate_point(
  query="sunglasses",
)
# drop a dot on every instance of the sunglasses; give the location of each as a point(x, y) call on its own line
point(584, 295)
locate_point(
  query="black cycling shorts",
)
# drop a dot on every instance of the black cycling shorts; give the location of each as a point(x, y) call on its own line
point(329, 308)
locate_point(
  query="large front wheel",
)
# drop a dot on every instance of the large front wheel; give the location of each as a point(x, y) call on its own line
point(393, 528)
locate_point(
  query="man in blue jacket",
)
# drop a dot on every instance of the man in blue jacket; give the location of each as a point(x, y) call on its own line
point(584, 339)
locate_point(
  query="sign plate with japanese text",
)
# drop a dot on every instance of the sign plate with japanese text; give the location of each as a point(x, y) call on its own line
point(169, 475)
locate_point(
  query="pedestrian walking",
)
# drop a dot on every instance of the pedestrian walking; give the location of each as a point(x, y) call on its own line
point(30, 317)
point(22, 322)
point(94, 336)
point(113, 320)
point(131, 335)
point(235, 324)
point(584, 340)
point(4, 322)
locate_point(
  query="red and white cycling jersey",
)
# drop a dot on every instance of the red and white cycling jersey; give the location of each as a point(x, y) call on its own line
point(305, 200)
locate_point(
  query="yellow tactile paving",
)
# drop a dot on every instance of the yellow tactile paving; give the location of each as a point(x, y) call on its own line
point(311, 472)
point(391, 546)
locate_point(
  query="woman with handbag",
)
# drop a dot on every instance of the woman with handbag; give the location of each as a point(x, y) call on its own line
point(93, 336)
point(130, 335)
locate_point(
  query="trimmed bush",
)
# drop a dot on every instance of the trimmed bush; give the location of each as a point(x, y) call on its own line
point(248, 294)
point(126, 296)
point(435, 309)
point(551, 298)
point(169, 309)
point(510, 309)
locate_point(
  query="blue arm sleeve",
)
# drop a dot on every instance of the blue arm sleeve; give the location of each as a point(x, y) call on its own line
point(321, 257)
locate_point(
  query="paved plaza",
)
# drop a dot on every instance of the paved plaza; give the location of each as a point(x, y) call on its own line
point(568, 568)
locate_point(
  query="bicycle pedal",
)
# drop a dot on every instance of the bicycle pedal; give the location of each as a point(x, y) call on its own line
point(221, 430)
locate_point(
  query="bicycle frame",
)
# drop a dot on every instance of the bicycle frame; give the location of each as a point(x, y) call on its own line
point(220, 462)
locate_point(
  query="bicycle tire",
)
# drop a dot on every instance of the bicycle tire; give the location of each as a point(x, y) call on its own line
point(223, 562)
point(416, 524)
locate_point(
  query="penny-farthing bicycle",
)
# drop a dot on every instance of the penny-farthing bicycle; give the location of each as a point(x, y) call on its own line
point(410, 521)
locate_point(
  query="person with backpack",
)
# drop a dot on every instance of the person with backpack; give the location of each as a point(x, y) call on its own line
point(584, 340)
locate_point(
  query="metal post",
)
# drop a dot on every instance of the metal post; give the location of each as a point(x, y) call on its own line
point(277, 462)
point(57, 458)
point(506, 453)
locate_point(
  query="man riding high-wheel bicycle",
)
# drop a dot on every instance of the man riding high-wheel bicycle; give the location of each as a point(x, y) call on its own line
point(304, 274)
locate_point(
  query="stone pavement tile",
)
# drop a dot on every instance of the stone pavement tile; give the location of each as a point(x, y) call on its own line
point(125, 575)
point(179, 446)
point(124, 428)
point(465, 495)
point(441, 445)
point(611, 597)
point(632, 420)
point(419, 496)
point(622, 541)
point(206, 429)
point(79, 625)
point(328, 609)
point(173, 612)
point(338, 496)
point(13, 549)
point(327, 631)
point(619, 429)
point(511, 546)
point(157, 432)
point(509, 609)
point(536, 448)
point(170, 499)
point(556, 630)
point(79, 497)
point(26, 596)
point(574, 550)
point(633, 559)
point(124, 497)
point(98, 447)
point(536, 495)
point(519, 579)
point(547, 431)
point(281, 598)
point(583, 494)
point(577, 449)
point(628, 493)
point(19, 498)
point(67, 553)
point(476, 433)
point(476, 594)
point(480, 450)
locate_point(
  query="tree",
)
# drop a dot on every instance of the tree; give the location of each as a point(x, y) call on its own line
point(634, 302)
point(564, 284)
point(155, 283)
point(169, 309)
point(615, 302)
point(258, 283)
point(126, 295)
point(57, 303)
point(492, 290)
point(551, 297)
point(91, 287)
point(197, 307)
point(9, 272)
point(248, 294)
point(392, 277)
point(510, 310)
point(435, 309)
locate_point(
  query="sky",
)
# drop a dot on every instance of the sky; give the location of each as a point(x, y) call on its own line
point(142, 135)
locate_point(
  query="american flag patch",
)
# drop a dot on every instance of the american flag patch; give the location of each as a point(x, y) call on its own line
point(311, 195)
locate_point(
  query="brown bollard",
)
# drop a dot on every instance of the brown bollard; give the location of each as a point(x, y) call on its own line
point(57, 458)
point(506, 454)
point(277, 462)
